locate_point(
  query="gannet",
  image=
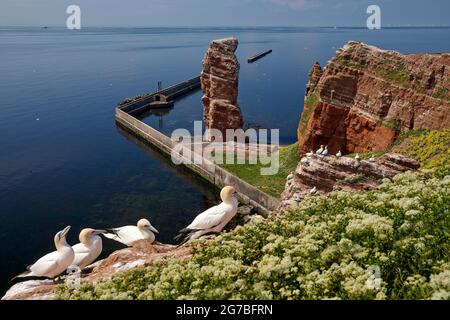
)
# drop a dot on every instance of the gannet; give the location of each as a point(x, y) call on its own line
point(214, 219)
point(372, 159)
point(89, 248)
point(325, 152)
point(339, 154)
point(130, 234)
point(357, 157)
point(304, 161)
point(319, 152)
point(54, 263)
point(313, 191)
point(310, 154)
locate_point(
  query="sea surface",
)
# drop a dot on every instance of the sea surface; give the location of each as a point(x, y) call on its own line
point(64, 162)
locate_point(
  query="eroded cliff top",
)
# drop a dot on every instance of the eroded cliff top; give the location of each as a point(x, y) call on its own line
point(365, 97)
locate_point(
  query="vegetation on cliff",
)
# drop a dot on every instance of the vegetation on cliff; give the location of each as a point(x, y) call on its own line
point(325, 248)
point(272, 185)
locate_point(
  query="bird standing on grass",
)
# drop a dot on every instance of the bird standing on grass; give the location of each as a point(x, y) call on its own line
point(55, 263)
point(89, 248)
point(214, 219)
point(130, 234)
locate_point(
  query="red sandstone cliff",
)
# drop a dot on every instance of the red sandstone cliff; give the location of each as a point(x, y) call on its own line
point(366, 96)
point(220, 80)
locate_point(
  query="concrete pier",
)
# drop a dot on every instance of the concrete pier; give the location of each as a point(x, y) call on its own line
point(126, 117)
point(259, 56)
point(164, 98)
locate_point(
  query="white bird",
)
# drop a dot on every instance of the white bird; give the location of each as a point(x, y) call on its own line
point(89, 248)
point(214, 219)
point(357, 157)
point(130, 234)
point(372, 159)
point(313, 191)
point(339, 154)
point(325, 152)
point(54, 263)
point(304, 161)
point(310, 154)
point(319, 152)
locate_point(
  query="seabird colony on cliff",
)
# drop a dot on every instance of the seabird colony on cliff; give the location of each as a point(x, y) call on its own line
point(83, 254)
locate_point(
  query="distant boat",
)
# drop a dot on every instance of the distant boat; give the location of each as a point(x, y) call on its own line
point(45, 27)
point(259, 56)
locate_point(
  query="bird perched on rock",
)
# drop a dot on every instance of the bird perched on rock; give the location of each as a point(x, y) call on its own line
point(339, 154)
point(54, 263)
point(304, 161)
point(319, 152)
point(89, 248)
point(130, 234)
point(313, 191)
point(310, 154)
point(325, 152)
point(214, 219)
point(357, 157)
point(372, 159)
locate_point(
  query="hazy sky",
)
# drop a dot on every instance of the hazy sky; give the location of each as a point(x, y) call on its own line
point(224, 12)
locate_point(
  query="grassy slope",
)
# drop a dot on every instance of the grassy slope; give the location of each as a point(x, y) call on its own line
point(272, 185)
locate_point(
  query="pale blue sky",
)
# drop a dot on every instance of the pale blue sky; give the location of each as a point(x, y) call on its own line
point(148, 13)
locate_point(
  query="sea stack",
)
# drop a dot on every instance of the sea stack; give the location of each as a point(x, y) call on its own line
point(220, 81)
point(365, 97)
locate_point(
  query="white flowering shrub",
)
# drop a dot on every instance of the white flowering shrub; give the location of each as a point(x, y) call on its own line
point(322, 249)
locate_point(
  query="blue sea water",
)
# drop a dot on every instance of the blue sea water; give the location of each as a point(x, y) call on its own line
point(62, 159)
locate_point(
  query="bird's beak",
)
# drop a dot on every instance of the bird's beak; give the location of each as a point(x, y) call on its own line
point(99, 232)
point(65, 231)
point(154, 229)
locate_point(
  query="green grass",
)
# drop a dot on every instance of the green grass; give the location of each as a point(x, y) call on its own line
point(272, 185)
point(322, 249)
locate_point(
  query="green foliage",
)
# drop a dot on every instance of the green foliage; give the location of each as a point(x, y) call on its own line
point(272, 185)
point(319, 250)
point(310, 103)
point(442, 93)
point(430, 148)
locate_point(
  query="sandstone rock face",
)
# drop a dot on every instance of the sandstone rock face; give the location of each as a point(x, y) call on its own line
point(365, 97)
point(142, 253)
point(220, 81)
point(332, 173)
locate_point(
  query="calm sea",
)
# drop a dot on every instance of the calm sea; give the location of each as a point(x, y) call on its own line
point(64, 162)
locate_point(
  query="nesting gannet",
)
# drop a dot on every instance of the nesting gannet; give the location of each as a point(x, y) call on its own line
point(372, 159)
point(339, 154)
point(325, 152)
point(357, 157)
point(310, 154)
point(214, 219)
point(54, 263)
point(319, 152)
point(129, 234)
point(313, 191)
point(89, 248)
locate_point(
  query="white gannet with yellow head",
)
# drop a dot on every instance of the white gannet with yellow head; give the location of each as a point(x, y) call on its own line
point(54, 263)
point(214, 219)
point(89, 248)
point(130, 234)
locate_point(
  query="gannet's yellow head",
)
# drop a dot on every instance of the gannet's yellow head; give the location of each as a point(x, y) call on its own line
point(227, 193)
point(145, 225)
point(60, 238)
point(87, 235)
